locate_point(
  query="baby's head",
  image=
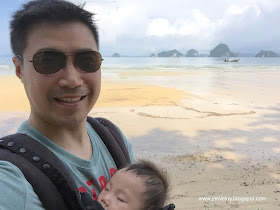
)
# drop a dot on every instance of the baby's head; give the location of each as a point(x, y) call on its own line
point(140, 186)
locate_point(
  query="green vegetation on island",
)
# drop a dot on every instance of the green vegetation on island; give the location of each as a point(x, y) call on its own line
point(221, 50)
point(170, 53)
point(192, 53)
point(264, 53)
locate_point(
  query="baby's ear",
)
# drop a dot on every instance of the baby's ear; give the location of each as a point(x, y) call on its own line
point(18, 68)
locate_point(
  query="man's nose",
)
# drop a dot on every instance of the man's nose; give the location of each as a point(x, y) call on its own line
point(70, 75)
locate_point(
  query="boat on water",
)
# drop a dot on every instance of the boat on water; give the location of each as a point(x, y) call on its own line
point(231, 60)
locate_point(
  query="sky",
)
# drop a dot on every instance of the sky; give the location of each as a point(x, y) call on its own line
point(142, 27)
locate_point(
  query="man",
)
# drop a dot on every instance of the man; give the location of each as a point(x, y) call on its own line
point(55, 44)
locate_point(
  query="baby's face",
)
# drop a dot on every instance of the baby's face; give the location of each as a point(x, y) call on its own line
point(123, 192)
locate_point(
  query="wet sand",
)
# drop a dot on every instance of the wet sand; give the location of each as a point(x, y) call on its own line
point(217, 134)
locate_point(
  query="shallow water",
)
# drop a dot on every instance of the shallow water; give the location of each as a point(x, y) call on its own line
point(111, 64)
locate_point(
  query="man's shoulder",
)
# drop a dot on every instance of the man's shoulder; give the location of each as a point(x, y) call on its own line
point(7, 168)
point(11, 176)
point(15, 191)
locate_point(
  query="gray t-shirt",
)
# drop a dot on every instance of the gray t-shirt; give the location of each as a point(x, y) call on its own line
point(90, 175)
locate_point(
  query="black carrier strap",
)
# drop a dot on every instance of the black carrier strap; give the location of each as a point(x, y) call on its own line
point(57, 190)
point(108, 131)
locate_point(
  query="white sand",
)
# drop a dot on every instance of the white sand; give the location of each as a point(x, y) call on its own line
point(217, 134)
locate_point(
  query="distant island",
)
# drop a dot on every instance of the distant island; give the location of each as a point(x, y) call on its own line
point(221, 50)
point(192, 53)
point(170, 53)
point(116, 55)
point(264, 53)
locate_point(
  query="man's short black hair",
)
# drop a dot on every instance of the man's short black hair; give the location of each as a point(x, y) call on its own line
point(40, 11)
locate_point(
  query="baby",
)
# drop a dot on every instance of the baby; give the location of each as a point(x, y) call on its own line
point(140, 186)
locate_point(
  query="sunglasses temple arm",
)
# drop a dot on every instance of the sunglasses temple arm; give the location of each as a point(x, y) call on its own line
point(20, 56)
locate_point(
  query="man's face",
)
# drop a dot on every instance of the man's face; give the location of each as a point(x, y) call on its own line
point(67, 96)
point(123, 192)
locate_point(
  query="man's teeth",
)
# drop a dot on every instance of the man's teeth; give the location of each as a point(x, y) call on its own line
point(70, 100)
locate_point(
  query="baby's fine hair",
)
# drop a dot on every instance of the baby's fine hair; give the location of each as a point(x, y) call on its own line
point(156, 183)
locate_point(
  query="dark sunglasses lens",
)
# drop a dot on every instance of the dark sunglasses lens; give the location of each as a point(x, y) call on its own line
point(88, 61)
point(48, 62)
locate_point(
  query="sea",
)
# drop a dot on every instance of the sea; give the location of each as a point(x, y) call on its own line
point(125, 64)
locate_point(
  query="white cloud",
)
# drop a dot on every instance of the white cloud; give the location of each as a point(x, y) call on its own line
point(197, 24)
point(164, 24)
point(270, 5)
point(160, 27)
point(234, 10)
point(153, 18)
point(116, 20)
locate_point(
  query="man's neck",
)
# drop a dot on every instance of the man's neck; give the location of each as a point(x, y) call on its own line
point(72, 138)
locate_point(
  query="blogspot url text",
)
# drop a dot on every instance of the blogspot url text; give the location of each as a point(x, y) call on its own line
point(232, 199)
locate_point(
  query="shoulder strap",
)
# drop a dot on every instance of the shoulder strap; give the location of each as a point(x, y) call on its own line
point(113, 140)
point(57, 190)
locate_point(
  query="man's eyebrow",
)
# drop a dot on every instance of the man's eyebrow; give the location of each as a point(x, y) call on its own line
point(54, 49)
point(46, 49)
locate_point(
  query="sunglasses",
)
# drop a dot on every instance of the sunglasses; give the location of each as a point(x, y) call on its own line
point(50, 61)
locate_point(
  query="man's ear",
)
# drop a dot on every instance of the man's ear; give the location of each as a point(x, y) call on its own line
point(18, 67)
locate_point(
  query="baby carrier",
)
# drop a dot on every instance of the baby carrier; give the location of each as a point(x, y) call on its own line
point(56, 188)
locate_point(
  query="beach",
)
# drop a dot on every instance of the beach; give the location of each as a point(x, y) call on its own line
point(216, 133)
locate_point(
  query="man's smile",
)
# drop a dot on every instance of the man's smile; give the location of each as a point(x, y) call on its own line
point(70, 99)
